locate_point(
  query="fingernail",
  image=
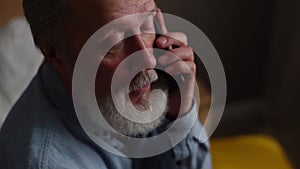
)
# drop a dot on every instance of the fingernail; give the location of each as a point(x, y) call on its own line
point(163, 40)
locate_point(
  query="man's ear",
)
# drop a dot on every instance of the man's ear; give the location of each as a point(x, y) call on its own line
point(52, 56)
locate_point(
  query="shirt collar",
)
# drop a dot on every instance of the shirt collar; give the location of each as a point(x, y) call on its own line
point(61, 100)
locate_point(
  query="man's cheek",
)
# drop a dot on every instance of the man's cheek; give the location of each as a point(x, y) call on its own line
point(107, 74)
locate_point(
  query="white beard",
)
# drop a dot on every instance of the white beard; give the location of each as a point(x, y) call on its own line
point(154, 112)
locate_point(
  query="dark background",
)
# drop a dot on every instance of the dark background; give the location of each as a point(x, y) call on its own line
point(259, 45)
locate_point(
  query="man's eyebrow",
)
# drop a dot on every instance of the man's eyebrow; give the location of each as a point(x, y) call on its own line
point(153, 11)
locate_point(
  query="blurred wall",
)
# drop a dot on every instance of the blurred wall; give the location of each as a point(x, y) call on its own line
point(259, 44)
point(240, 32)
point(9, 9)
point(282, 85)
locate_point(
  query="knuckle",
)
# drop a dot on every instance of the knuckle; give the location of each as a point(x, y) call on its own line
point(193, 67)
point(181, 37)
point(190, 49)
point(183, 65)
point(184, 38)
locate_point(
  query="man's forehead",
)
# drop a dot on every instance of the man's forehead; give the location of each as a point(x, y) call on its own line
point(117, 6)
point(131, 5)
point(87, 16)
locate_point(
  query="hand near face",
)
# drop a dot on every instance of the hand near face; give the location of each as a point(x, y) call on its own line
point(178, 62)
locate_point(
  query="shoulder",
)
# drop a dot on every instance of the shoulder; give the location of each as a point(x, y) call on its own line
point(27, 132)
point(34, 136)
point(43, 142)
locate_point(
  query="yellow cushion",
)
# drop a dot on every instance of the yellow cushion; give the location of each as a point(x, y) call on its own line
point(248, 152)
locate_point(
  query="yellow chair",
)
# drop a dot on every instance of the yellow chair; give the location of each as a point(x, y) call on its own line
point(248, 152)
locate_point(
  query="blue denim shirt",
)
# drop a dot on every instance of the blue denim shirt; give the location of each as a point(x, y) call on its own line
point(43, 132)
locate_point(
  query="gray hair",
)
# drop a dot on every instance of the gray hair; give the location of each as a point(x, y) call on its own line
point(46, 19)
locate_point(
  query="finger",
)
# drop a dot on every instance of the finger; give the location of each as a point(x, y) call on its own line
point(172, 39)
point(181, 67)
point(178, 36)
point(161, 21)
point(185, 54)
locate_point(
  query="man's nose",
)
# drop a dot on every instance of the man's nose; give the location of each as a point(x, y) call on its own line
point(145, 58)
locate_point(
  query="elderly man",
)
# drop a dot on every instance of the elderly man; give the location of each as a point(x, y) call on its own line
point(43, 131)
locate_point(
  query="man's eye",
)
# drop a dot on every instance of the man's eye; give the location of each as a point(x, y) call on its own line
point(111, 41)
point(115, 49)
point(147, 27)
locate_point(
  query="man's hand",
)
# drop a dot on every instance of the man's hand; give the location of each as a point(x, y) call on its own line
point(178, 61)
